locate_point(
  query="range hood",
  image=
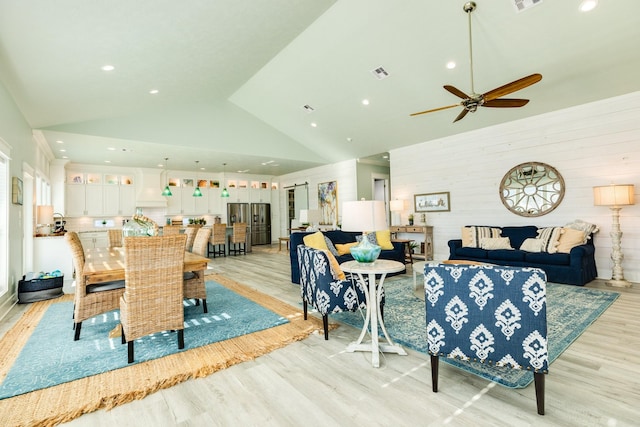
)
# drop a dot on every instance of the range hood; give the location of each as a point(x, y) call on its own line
point(149, 185)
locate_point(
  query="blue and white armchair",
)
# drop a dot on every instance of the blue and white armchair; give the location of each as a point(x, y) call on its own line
point(488, 314)
point(321, 287)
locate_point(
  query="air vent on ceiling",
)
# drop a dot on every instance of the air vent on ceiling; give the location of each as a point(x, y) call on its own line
point(521, 5)
point(308, 108)
point(380, 73)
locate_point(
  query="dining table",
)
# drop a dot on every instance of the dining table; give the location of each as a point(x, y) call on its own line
point(107, 264)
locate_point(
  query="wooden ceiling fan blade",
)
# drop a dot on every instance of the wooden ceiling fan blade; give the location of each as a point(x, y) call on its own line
point(461, 115)
point(505, 103)
point(512, 87)
point(435, 109)
point(457, 92)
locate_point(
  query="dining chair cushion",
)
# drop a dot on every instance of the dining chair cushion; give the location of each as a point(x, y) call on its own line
point(105, 286)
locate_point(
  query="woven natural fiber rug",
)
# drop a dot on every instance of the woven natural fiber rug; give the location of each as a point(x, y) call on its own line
point(64, 402)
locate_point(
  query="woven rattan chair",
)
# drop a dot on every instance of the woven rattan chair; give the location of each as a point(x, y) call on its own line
point(194, 287)
point(238, 241)
point(190, 232)
point(170, 230)
point(152, 300)
point(218, 240)
point(90, 299)
point(115, 238)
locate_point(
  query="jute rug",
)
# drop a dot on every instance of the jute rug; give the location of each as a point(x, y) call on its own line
point(65, 402)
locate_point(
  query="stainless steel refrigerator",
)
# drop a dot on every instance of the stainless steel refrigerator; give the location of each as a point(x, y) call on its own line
point(238, 212)
point(260, 223)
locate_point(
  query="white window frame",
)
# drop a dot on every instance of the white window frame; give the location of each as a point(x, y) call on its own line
point(5, 195)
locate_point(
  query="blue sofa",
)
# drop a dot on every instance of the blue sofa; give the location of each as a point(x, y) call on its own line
point(338, 237)
point(575, 268)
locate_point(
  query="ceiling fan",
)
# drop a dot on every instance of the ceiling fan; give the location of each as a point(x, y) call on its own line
point(470, 103)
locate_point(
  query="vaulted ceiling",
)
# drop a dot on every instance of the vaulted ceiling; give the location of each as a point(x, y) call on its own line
point(233, 77)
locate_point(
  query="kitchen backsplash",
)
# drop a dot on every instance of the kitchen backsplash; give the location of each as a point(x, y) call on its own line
point(95, 223)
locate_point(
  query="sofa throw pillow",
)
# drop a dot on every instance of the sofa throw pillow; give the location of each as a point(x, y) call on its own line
point(315, 241)
point(336, 271)
point(471, 235)
point(531, 245)
point(344, 248)
point(371, 237)
point(569, 239)
point(384, 239)
point(330, 246)
point(550, 237)
point(490, 243)
point(588, 228)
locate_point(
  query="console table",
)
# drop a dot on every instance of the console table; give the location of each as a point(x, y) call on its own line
point(426, 235)
point(381, 267)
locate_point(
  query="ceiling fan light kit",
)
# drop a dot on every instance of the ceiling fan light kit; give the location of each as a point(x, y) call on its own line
point(493, 98)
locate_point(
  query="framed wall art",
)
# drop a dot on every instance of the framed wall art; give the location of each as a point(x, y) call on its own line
point(16, 187)
point(432, 202)
point(328, 202)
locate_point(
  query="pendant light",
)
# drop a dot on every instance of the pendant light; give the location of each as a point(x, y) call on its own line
point(197, 192)
point(224, 193)
point(167, 190)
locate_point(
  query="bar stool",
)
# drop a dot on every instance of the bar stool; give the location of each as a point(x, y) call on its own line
point(218, 240)
point(238, 241)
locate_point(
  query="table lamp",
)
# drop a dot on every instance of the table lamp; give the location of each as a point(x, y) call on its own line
point(615, 196)
point(366, 216)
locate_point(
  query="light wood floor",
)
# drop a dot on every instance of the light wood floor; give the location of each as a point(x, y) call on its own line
point(595, 382)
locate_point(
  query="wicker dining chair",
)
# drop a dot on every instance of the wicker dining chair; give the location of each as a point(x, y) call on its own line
point(152, 300)
point(194, 286)
point(90, 299)
point(218, 240)
point(115, 237)
point(190, 232)
point(238, 241)
point(170, 230)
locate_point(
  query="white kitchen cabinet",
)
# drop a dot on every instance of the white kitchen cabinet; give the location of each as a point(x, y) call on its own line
point(94, 239)
point(86, 196)
point(84, 200)
point(119, 200)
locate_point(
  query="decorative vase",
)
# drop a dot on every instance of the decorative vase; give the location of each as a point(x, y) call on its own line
point(140, 225)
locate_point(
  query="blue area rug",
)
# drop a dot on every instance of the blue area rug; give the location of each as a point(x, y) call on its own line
point(570, 310)
point(51, 357)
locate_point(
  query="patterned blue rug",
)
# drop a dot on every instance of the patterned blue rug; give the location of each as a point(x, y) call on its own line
point(570, 310)
point(51, 357)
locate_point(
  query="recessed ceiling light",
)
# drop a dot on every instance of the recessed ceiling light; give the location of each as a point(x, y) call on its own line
point(451, 65)
point(107, 161)
point(314, 125)
point(365, 102)
point(60, 142)
point(108, 68)
point(201, 169)
point(111, 148)
point(588, 5)
point(349, 139)
point(160, 165)
point(62, 150)
point(153, 91)
point(65, 157)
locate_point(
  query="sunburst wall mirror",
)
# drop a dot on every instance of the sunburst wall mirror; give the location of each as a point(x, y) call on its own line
point(532, 189)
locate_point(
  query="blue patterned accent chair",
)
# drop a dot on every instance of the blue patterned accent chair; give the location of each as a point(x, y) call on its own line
point(320, 287)
point(494, 315)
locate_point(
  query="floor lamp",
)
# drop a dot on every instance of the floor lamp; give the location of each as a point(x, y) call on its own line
point(615, 196)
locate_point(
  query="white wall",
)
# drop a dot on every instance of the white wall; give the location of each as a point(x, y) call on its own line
point(343, 172)
point(590, 145)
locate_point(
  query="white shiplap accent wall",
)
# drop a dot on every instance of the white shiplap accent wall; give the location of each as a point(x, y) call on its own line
point(343, 172)
point(590, 145)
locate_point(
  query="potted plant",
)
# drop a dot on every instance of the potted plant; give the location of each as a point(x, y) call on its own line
point(410, 219)
point(413, 245)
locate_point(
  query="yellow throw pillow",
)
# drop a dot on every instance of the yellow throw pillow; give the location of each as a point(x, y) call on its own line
point(315, 241)
point(343, 249)
point(569, 239)
point(384, 239)
point(336, 271)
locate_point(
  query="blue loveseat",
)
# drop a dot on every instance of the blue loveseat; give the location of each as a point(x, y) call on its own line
point(338, 237)
point(578, 267)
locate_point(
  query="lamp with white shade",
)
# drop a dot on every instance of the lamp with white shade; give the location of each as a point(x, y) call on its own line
point(396, 206)
point(615, 196)
point(366, 216)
